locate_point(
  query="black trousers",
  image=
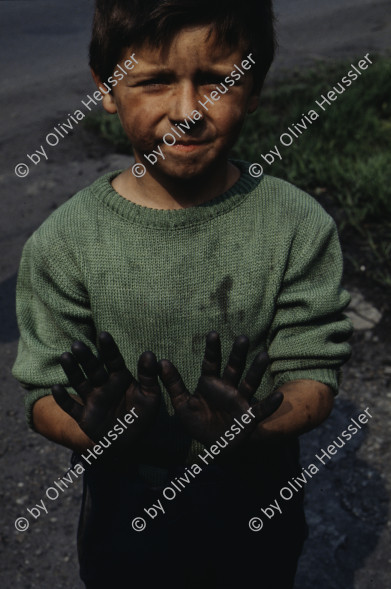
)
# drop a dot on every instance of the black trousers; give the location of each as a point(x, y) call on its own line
point(202, 540)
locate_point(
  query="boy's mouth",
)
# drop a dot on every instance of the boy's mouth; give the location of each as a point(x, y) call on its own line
point(188, 145)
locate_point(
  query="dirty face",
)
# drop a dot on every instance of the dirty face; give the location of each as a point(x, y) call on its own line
point(163, 90)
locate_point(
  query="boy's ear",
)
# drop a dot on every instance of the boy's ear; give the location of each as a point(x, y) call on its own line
point(253, 103)
point(108, 101)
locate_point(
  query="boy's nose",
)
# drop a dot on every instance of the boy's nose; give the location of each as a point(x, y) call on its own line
point(184, 101)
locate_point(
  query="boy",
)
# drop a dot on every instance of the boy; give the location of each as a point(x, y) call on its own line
point(191, 246)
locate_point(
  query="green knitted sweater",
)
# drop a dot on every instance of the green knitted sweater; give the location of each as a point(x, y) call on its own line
point(262, 259)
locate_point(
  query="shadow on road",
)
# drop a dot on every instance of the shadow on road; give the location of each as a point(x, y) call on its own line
point(9, 330)
point(346, 506)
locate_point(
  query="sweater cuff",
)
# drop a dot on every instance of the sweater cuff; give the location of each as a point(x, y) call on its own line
point(329, 376)
point(29, 400)
point(33, 395)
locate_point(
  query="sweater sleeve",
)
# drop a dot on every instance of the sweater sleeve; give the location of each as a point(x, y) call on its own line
point(53, 311)
point(307, 338)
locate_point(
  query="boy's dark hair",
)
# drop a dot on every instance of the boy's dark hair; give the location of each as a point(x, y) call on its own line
point(119, 24)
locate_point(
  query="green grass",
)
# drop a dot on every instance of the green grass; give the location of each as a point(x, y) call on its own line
point(345, 153)
point(346, 150)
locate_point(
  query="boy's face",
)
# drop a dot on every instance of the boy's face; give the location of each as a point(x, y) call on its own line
point(163, 90)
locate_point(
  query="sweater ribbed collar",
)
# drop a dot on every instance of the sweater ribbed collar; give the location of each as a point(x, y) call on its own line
point(175, 218)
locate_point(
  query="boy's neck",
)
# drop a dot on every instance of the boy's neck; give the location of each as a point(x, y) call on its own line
point(165, 193)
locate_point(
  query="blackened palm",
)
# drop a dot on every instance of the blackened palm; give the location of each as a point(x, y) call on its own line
point(108, 389)
point(217, 401)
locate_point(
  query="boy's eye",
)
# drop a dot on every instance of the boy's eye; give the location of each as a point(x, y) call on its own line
point(153, 82)
point(203, 80)
point(211, 79)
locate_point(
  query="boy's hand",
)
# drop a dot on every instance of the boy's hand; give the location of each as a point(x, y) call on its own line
point(108, 389)
point(211, 410)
